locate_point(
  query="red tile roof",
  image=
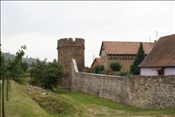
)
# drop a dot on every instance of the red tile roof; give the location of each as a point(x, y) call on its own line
point(98, 61)
point(163, 53)
point(125, 47)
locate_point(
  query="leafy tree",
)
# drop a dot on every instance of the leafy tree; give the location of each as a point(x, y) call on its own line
point(24, 66)
point(46, 75)
point(115, 66)
point(14, 67)
point(139, 58)
point(38, 72)
point(53, 76)
point(2, 66)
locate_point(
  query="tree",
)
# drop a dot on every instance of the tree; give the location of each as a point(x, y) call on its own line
point(24, 66)
point(53, 76)
point(46, 75)
point(139, 58)
point(14, 66)
point(2, 66)
point(115, 66)
point(38, 72)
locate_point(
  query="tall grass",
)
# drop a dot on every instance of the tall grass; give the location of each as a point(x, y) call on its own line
point(21, 105)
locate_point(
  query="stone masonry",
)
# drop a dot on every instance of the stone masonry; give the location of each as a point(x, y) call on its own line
point(144, 92)
point(69, 49)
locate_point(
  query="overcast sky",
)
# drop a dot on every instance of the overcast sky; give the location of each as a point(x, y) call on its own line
point(39, 24)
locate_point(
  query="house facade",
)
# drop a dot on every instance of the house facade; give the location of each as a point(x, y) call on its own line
point(161, 59)
point(122, 52)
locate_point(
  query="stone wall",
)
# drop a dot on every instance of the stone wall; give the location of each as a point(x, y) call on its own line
point(69, 49)
point(144, 92)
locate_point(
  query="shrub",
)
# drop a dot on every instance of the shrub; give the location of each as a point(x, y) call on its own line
point(123, 73)
point(99, 69)
point(108, 71)
point(115, 66)
point(46, 75)
point(88, 70)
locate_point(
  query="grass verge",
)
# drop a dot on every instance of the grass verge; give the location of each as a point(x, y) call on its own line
point(92, 106)
point(21, 105)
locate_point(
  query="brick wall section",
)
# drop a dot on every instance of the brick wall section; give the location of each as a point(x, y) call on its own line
point(144, 92)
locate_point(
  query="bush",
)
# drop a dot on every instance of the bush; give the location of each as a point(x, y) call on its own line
point(108, 71)
point(88, 70)
point(46, 75)
point(115, 66)
point(99, 69)
point(123, 73)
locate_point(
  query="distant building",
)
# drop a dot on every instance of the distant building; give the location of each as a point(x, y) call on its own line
point(122, 52)
point(96, 62)
point(161, 60)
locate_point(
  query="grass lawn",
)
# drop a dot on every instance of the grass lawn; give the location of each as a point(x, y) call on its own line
point(22, 105)
point(0, 99)
point(88, 106)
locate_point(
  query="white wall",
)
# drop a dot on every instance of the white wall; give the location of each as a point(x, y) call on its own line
point(148, 72)
point(169, 71)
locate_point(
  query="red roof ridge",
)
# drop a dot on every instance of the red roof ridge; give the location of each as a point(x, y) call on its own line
point(125, 47)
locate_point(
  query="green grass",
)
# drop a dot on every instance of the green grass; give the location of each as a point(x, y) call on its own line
point(0, 100)
point(85, 103)
point(34, 104)
point(51, 102)
point(70, 104)
point(21, 105)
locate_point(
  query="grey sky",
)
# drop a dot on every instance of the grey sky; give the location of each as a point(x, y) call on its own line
point(39, 24)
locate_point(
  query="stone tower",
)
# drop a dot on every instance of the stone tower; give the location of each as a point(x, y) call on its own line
point(69, 49)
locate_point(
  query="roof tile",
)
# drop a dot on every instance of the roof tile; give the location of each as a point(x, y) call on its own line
point(163, 53)
point(126, 47)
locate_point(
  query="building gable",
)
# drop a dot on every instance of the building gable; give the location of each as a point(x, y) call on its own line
point(97, 61)
point(163, 53)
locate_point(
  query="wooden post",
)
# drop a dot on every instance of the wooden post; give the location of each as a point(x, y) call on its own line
point(7, 88)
